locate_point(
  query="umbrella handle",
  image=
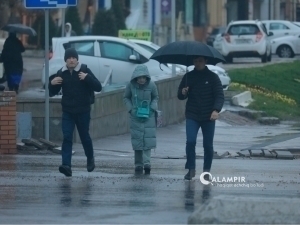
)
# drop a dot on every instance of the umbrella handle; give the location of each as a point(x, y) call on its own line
point(160, 67)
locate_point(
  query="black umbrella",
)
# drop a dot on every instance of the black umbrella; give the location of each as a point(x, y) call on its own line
point(19, 28)
point(183, 52)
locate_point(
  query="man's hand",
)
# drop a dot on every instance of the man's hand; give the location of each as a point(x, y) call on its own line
point(56, 81)
point(82, 75)
point(214, 115)
point(185, 90)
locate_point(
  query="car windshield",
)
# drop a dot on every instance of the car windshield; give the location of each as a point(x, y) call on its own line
point(152, 48)
point(243, 29)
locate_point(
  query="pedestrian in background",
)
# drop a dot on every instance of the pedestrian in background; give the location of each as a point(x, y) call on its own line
point(140, 98)
point(68, 30)
point(13, 61)
point(205, 98)
point(78, 84)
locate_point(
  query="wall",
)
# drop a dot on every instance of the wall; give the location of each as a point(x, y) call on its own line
point(108, 115)
point(8, 122)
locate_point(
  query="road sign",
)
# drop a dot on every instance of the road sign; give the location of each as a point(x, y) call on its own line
point(72, 2)
point(49, 4)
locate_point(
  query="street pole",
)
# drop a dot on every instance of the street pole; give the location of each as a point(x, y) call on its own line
point(46, 74)
point(63, 21)
point(173, 29)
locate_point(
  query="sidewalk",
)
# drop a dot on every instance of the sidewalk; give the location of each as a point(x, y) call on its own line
point(228, 138)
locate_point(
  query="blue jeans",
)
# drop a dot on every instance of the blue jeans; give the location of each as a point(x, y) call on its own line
point(208, 131)
point(82, 122)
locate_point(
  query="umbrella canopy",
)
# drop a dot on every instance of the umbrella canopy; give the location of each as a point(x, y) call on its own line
point(19, 28)
point(183, 52)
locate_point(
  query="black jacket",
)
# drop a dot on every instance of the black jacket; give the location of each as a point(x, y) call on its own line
point(12, 57)
point(76, 93)
point(204, 96)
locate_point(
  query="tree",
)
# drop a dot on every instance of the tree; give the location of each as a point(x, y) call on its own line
point(72, 17)
point(105, 23)
point(5, 8)
point(39, 26)
point(118, 10)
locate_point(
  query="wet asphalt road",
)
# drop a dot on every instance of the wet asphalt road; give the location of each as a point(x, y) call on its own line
point(33, 191)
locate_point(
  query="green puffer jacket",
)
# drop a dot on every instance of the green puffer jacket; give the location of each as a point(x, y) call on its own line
point(143, 130)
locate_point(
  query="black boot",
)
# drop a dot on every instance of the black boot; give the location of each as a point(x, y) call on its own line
point(190, 174)
point(147, 169)
point(90, 165)
point(66, 170)
point(138, 170)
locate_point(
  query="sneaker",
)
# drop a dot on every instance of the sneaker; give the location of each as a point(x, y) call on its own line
point(190, 174)
point(66, 170)
point(147, 169)
point(90, 165)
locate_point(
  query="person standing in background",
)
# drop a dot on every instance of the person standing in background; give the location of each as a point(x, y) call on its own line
point(13, 61)
point(68, 30)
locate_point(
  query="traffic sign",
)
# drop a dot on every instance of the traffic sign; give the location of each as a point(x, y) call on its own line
point(72, 2)
point(49, 4)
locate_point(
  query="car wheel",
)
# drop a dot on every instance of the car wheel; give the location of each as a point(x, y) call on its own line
point(285, 51)
point(264, 58)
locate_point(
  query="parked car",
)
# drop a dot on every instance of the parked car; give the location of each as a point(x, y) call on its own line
point(287, 46)
point(151, 47)
point(281, 28)
point(212, 36)
point(102, 53)
point(223, 75)
point(246, 38)
point(297, 23)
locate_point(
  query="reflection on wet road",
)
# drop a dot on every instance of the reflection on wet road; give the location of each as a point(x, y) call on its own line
point(32, 190)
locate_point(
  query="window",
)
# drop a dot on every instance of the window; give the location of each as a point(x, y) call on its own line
point(82, 47)
point(114, 50)
point(243, 29)
point(278, 26)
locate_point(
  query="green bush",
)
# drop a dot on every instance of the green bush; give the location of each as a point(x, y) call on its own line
point(105, 23)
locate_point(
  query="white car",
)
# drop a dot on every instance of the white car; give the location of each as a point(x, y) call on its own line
point(225, 79)
point(281, 28)
point(287, 46)
point(102, 53)
point(245, 38)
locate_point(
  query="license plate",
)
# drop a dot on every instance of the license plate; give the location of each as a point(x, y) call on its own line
point(242, 41)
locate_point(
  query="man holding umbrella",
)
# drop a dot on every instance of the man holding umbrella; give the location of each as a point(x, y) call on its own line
point(203, 91)
point(205, 97)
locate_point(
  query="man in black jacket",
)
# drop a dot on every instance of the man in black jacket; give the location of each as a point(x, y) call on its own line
point(205, 98)
point(78, 89)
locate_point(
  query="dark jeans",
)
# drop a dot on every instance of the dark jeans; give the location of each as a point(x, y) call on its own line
point(208, 131)
point(82, 122)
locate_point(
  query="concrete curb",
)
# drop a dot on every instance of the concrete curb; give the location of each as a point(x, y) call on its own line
point(243, 99)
